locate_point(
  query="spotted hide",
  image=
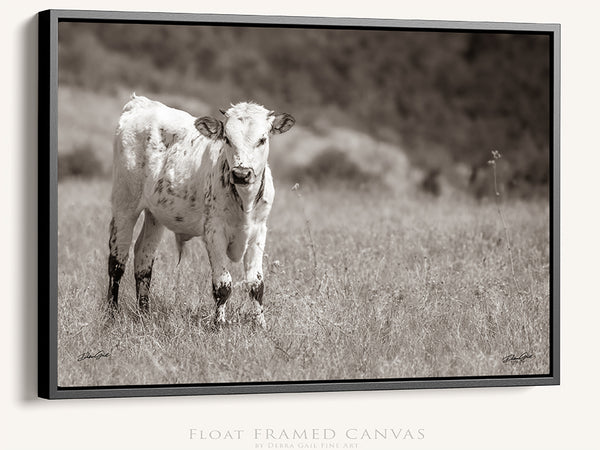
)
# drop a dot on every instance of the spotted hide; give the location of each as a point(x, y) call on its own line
point(196, 177)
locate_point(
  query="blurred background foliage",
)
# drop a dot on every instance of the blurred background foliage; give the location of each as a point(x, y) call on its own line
point(446, 98)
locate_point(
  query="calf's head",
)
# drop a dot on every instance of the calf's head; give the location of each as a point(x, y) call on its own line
point(245, 135)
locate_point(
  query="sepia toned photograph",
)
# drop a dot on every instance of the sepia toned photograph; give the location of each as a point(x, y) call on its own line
point(247, 204)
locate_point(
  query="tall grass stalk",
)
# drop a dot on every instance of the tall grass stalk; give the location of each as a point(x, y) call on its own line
point(311, 242)
point(492, 162)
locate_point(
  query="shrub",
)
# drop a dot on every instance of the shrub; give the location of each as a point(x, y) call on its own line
point(80, 162)
point(333, 166)
point(431, 182)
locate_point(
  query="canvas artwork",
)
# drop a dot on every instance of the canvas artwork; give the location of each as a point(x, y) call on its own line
point(282, 205)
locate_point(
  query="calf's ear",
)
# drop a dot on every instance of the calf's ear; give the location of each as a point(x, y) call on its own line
point(282, 123)
point(209, 127)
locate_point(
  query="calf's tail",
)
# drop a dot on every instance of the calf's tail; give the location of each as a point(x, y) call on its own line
point(180, 240)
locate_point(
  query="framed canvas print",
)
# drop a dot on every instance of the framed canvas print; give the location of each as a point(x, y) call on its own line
point(246, 204)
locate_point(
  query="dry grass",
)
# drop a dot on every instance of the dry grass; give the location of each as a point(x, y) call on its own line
point(389, 283)
point(404, 286)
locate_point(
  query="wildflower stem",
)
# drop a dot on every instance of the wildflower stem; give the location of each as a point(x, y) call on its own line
point(311, 242)
point(504, 225)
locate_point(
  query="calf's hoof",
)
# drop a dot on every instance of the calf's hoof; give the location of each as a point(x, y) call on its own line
point(259, 321)
point(218, 323)
point(110, 310)
point(144, 305)
point(108, 316)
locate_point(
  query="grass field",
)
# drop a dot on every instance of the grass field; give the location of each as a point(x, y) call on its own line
point(388, 286)
point(360, 283)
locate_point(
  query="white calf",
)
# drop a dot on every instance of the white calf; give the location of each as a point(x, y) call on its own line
point(197, 177)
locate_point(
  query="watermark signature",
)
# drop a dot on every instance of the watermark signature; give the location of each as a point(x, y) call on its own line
point(513, 359)
point(89, 355)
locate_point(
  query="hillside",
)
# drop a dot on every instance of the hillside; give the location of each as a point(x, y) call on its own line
point(446, 98)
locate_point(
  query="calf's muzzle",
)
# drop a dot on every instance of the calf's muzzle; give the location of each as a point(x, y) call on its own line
point(241, 175)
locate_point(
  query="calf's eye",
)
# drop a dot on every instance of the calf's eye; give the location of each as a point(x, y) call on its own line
point(227, 140)
point(261, 142)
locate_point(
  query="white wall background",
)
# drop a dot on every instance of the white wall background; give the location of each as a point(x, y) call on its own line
point(535, 418)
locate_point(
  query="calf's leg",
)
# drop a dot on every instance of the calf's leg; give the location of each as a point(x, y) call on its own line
point(145, 247)
point(254, 275)
point(216, 245)
point(121, 231)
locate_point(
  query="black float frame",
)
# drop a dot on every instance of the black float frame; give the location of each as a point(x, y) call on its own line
point(48, 206)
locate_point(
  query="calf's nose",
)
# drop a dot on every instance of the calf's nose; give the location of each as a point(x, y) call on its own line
point(241, 175)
